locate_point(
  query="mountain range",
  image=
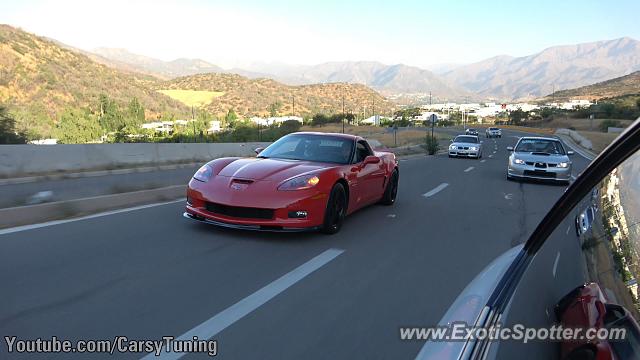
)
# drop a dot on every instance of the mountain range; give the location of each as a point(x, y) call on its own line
point(501, 77)
point(558, 67)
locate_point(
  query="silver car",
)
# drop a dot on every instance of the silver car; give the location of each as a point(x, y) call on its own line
point(466, 146)
point(539, 158)
point(493, 132)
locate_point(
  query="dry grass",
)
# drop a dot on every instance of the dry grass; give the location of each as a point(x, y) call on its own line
point(599, 140)
point(403, 138)
point(581, 124)
point(192, 97)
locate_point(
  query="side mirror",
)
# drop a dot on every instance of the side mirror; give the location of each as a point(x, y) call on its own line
point(371, 160)
point(451, 140)
point(258, 150)
point(570, 152)
point(509, 148)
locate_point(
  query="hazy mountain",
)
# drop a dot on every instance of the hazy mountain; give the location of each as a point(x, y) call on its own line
point(443, 68)
point(159, 68)
point(621, 86)
point(389, 79)
point(565, 67)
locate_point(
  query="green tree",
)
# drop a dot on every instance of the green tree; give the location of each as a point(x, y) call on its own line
point(110, 117)
point(8, 133)
point(77, 127)
point(275, 108)
point(517, 116)
point(135, 112)
point(231, 118)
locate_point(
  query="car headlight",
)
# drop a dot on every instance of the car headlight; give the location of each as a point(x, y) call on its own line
point(204, 173)
point(300, 183)
point(473, 148)
point(451, 147)
point(563, 165)
point(518, 161)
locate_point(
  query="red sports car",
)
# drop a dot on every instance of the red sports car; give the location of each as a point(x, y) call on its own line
point(303, 181)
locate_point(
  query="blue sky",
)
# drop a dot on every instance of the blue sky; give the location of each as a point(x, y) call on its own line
point(240, 32)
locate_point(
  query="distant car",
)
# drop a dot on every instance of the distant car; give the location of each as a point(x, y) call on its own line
point(471, 132)
point(584, 220)
point(586, 307)
point(303, 181)
point(539, 158)
point(493, 132)
point(466, 146)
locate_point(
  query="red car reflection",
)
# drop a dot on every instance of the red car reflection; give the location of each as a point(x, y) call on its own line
point(587, 307)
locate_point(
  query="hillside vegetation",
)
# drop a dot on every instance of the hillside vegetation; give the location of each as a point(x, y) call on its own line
point(262, 97)
point(40, 80)
point(621, 86)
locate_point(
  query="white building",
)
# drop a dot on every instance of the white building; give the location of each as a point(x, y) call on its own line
point(427, 116)
point(44, 142)
point(373, 120)
point(214, 126)
point(274, 120)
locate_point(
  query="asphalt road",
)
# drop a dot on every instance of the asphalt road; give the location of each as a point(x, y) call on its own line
point(149, 273)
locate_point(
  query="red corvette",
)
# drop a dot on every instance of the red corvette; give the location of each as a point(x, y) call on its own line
point(303, 181)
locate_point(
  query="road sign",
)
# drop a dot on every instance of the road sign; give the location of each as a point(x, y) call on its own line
point(433, 118)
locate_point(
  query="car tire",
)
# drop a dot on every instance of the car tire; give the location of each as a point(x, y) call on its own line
point(586, 352)
point(391, 191)
point(336, 210)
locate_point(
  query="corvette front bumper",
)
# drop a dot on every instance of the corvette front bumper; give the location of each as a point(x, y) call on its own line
point(267, 228)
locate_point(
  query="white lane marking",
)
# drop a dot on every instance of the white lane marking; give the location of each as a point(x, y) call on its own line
point(436, 190)
point(555, 264)
point(508, 196)
point(573, 177)
point(237, 311)
point(494, 151)
point(568, 228)
point(577, 151)
point(469, 169)
point(490, 156)
point(483, 160)
point(106, 213)
point(391, 215)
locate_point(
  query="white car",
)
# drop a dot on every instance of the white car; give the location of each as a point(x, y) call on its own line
point(466, 146)
point(493, 132)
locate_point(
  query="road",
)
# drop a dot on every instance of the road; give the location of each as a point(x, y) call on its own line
point(149, 272)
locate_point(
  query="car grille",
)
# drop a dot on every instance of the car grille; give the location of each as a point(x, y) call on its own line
point(538, 173)
point(240, 212)
point(463, 148)
point(540, 165)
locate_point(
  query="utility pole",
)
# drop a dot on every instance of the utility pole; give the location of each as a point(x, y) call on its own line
point(343, 110)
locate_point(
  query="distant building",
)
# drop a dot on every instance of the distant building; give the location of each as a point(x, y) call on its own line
point(372, 120)
point(214, 126)
point(44, 142)
point(274, 120)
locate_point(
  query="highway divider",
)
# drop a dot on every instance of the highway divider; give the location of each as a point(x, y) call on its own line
point(33, 214)
point(18, 161)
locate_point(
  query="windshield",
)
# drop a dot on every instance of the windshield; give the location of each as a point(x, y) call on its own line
point(311, 148)
point(301, 179)
point(551, 147)
point(466, 139)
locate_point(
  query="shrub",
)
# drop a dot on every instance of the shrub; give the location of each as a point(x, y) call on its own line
point(432, 144)
point(606, 124)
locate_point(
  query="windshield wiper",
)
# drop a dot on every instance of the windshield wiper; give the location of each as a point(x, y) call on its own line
point(262, 157)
